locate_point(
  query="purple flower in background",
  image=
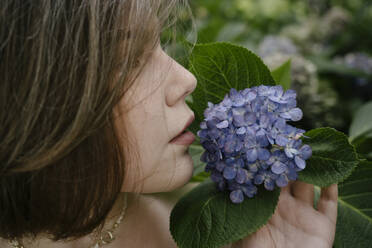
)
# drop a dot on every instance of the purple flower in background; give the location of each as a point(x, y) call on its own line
point(248, 142)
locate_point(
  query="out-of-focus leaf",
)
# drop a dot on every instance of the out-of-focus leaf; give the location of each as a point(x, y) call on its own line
point(362, 122)
point(326, 65)
point(231, 30)
point(199, 175)
point(282, 75)
point(196, 151)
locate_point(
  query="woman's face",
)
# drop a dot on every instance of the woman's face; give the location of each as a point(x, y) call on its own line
point(158, 113)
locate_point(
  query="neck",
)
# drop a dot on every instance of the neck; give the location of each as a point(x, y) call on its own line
point(45, 241)
point(146, 221)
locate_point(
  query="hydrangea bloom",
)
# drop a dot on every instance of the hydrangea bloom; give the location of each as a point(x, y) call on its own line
point(248, 141)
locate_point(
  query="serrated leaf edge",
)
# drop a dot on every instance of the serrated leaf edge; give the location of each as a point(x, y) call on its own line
point(236, 237)
point(357, 161)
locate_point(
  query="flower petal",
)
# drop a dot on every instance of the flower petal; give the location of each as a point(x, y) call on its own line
point(229, 172)
point(251, 155)
point(281, 140)
point(250, 118)
point(240, 130)
point(269, 184)
point(220, 166)
point(241, 176)
point(300, 162)
point(250, 190)
point(237, 196)
point(296, 114)
point(263, 154)
point(288, 153)
point(259, 178)
point(278, 167)
point(222, 124)
point(216, 176)
point(282, 181)
point(305, 152)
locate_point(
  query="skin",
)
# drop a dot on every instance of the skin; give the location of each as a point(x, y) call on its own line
point(296, 223)
point(157, 113)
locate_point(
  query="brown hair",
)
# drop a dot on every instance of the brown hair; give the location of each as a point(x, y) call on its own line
point(61, 160)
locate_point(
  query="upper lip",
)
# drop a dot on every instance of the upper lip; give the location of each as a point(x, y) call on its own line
point(188, 123)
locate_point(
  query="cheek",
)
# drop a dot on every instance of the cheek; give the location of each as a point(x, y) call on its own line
point(161, 166)
point(148, 137)
point(150, 133)
point(155, 154)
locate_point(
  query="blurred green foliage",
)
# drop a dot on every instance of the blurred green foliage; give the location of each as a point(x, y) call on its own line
point(247, 21)
point(328, 42)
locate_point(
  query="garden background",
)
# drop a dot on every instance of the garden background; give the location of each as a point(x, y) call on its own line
point(329, 46)
point(329, 43)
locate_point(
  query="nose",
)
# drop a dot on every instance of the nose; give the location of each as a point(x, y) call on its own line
point(182, 83)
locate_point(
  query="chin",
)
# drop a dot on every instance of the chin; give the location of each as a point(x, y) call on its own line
point(182, 178)
point(167, 177)
point(176, 177)
point(183, 173)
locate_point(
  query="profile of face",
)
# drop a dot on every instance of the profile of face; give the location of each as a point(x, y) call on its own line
point(158, 113)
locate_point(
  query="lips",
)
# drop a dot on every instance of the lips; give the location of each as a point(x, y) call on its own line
point(188, 123)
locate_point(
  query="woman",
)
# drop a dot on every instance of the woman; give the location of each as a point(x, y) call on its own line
point(91, 107)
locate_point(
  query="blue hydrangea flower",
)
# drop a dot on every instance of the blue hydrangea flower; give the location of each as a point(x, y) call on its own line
point(248, 141)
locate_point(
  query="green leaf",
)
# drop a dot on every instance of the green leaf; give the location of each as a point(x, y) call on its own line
point(200, 177)
point(354, 219)
point(206, 218)
point(362, 122)
point(282, 75)
point(196, 150)
point(363, 145)
point(333, 157)
point(219, 67)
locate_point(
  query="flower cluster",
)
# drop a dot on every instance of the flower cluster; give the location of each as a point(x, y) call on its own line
point(248, 142)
